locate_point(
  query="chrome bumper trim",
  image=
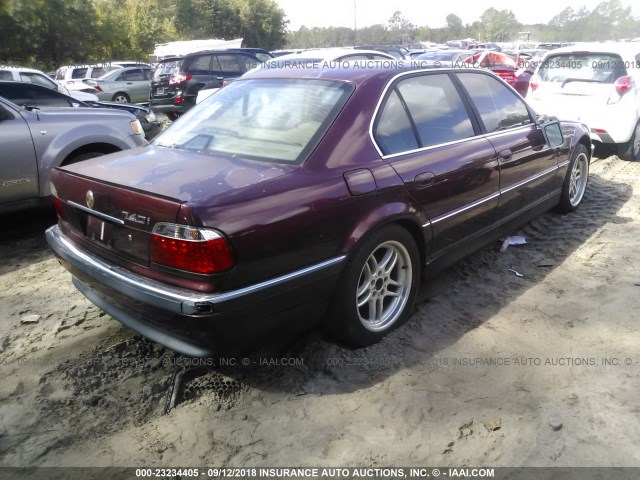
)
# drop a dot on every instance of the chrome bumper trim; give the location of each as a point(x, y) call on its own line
point(174, 299)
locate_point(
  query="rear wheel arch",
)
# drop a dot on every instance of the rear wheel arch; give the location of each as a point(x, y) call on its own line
point(349, 319)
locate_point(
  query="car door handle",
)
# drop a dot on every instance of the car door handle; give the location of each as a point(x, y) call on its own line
point(505, 154)
point(424, 180)
point(129, 83)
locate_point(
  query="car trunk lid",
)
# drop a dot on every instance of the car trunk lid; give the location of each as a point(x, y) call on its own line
point(114, 201)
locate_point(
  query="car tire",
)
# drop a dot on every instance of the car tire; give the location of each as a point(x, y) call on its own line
point(121, 98)
point(377, 289)
point(575, 181)
point(81, 156)
point(631, 150)
point(173, 116)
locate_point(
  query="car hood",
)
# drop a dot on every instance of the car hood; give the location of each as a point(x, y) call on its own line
point(178, 174)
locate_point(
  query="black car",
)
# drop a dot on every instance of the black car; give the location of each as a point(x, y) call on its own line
point(397, 52)
point(175, 84)
point(29, 95)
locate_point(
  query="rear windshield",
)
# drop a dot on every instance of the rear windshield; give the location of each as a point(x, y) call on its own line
point(272, 120)
point(166, 68)
point(585, 67)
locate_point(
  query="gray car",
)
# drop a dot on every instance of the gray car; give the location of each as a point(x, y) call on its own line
point(125, 85)
point(34, 141)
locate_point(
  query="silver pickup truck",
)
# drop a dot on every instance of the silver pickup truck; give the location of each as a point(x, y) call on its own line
point(34, 141)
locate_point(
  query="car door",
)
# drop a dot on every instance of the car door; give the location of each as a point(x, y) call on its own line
point(18, 165)
point(528, 167)
point(426, 132)
point(136, 84)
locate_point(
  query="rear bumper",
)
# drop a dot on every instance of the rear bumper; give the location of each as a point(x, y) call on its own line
point(195, 323)
point(165, 105)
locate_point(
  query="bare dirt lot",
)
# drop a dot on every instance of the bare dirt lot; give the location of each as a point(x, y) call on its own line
point(493, 369)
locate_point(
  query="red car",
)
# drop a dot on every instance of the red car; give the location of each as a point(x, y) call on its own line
point(294, 198)
point(499, 63)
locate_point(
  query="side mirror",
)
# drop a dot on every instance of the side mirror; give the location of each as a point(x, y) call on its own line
point(553, 134)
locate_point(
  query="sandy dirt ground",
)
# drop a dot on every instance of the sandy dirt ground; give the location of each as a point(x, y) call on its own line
point(493, 369)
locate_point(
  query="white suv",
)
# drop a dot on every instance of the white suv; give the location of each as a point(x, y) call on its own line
point(597, 84)
point(30, 75)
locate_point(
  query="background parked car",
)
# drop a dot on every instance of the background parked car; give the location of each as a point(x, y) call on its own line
point(72, 76)
point(35, 141)
point(298, 196)
point(444, 58)
point(124, 85)
point(598, 84)
point(176, 93)
point(30, 75)
point(29, 96)
point(499, 63)
point(399, 53)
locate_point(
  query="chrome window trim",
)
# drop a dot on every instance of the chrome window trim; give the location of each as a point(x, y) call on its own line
point(502, 133)
point(91, 211)
point(429, 147)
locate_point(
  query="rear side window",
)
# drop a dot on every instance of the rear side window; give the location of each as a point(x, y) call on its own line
point(97, 72)
point(200, 64)
point(394, 132)
point(132, 75)
point(583, 67)
point(79, 72)
point(498, 106)
point(436, 108)
point(422, 111)
point(6, 76)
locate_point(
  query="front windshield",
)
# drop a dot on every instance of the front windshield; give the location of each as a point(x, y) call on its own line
point(273, 120)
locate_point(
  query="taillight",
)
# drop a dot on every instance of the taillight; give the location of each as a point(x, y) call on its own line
point(58, 206)
point(98, 88)
point(179, 78)
point(623, 85)
point(534, 83)
point(194, 249)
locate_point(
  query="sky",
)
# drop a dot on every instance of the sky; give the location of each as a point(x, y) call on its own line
point(340, 13)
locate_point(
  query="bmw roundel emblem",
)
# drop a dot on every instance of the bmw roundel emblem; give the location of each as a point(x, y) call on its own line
point(89, 199)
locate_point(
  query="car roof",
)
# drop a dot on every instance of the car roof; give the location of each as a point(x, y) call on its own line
point(623, 48)
point(328, 54)
point(223, 50)
point(380, 71)
point(21, 69)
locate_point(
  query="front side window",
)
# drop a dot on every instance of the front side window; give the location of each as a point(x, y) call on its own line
point(272, 120)
point(229, 64)
point(499, 107)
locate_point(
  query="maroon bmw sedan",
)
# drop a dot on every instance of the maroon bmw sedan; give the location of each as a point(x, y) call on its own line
point(302, 197)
